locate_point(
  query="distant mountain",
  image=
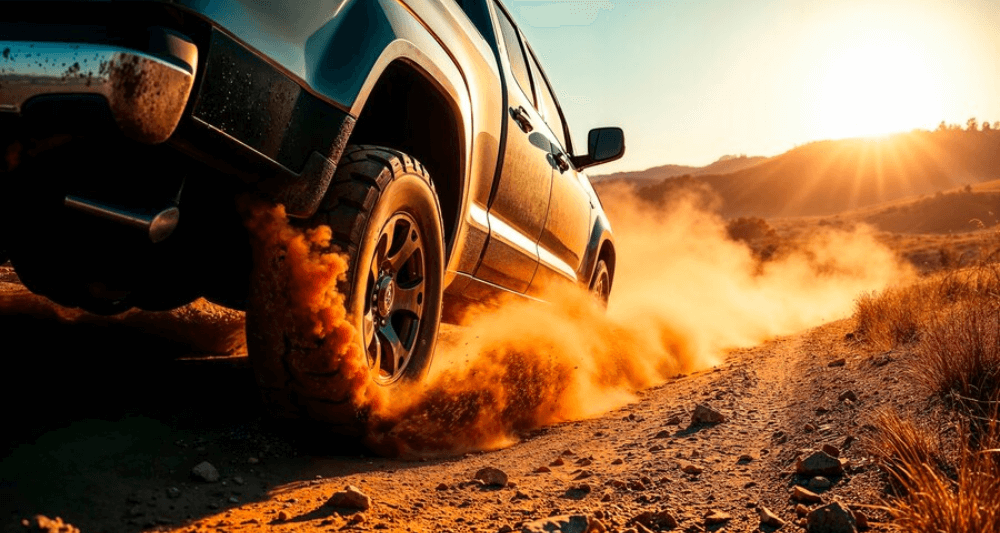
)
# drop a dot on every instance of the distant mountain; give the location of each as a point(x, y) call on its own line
point(725, 165)
point(828, 177)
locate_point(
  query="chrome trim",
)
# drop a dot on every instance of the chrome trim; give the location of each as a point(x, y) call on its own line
point(548, 258)
point(146, 94)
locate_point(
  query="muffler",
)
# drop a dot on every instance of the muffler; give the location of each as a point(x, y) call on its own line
point(158, 224)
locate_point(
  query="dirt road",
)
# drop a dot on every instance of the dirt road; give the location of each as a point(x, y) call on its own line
point(105, 429)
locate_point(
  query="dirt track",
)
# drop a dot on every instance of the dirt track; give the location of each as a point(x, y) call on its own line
point(107, 435)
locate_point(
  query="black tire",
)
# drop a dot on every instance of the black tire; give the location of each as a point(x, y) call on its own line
point(385, 216)
point(600, 286)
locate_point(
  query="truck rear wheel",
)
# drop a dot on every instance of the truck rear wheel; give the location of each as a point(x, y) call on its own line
point(385, 217)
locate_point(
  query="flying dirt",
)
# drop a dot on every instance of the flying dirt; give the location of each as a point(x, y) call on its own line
point(684, 293)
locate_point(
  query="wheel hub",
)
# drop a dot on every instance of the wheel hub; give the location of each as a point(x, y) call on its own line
point(384, 296)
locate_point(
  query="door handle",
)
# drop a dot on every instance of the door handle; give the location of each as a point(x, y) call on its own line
point(520, 116)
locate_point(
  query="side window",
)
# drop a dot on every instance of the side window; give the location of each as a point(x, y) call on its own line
point(547, 103)
point(515, 53)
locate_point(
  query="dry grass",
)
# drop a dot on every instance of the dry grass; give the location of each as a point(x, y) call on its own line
point(937, 497)
point(951, 322)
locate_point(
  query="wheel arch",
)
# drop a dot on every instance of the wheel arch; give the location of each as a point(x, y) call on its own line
point(408, 108)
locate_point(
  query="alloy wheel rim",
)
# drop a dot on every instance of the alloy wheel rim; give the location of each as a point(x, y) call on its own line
point(394, 298)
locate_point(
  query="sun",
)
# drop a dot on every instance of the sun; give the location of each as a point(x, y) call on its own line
point(875, 88)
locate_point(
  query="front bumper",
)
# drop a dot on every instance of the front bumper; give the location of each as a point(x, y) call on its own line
point(146, 91)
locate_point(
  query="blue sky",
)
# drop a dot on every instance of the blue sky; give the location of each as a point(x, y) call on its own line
point(692, 80)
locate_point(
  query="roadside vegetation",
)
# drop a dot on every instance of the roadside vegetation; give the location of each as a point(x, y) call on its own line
point(943, 477)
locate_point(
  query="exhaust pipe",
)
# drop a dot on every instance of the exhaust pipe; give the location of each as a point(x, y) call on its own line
point(157, 224)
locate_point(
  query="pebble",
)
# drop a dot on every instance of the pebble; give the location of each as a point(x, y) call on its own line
point(716, 517)
point(692, 469)
point(837, 362)
point(705, 414)
point(492, 477)
point(831, 518)
point(768, 518)
point(205, 471)
point(350, 498)
point(819, 463)
point(848, 395)
point(819, 483)
point(801, 494)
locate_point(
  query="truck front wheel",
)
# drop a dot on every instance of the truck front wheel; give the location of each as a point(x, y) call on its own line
point(385, 217)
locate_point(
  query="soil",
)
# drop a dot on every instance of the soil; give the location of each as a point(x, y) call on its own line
point(107, 418)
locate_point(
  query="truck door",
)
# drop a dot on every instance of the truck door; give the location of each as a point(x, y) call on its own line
point(520, 199)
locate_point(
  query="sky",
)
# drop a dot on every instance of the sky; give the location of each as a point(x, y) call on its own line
point(692, 80)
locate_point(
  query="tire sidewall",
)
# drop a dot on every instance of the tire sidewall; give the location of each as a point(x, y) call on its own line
point(411, 194)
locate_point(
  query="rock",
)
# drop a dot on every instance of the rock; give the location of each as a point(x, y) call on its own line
point(831, 518)
point(820, 464)
point(809, 428)
point(253, 460)
point(492, 477)
point(801, 494)
point(350, 498)
point(848, 395)
point(819, 483)
point(716, 517)
point(442, 486)
point(745, 458)
point(558, 462)
point(673, 421)
point(860, 518)
point(51, 525)
point(692, 469)
point(801, 510)
point(837, 362)
point(768, 518)
point(282, 516)
point(586, 461)
point(173, 492)
point(618, 461)
point(658, 520)
point(543, 470)
point(505, 529)
point(704, 414)
point(664, 434)
point(831, 450)
point(205, 472)
point(564, 524)
point(578, 492)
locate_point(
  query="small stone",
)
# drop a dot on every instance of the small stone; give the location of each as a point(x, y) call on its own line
point(860, 518)
point(542, 470)
point(831, 450)
point(704, 414)
point(505, 529)
point(282, 516)
point(586, 461)
point(357, 518)
point(716, 517)
point(659, 520)
point(837, 362)
point(820, 463)
point(801, 510)
point(205, 472)
point(848, 395)
point(692, 469)
point(664, 434)
point(350, 498)
point(809, 428)
point(618, 461)
point(579, 491)
point(234, 499)
point(558, 462)
point(745, 458)
point(831, 518)
point(563, 524)
point(768, 518)
point(673, 421)
point(819, 483)
point(442, 486)
point(253, 460)
point(238, 480)
point(492, 477)
point(802, 494)
point(173, 492)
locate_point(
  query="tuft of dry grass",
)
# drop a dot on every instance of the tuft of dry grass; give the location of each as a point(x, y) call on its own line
point(937, 497)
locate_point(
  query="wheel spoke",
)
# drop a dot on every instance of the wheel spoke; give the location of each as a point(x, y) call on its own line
point(404, 254)
point(410, 299)
point(394, 354)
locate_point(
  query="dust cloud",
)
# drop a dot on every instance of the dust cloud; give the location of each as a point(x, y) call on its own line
point(683, 294)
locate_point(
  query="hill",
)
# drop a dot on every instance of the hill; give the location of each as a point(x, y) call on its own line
point(828, 177)
point(725, 165)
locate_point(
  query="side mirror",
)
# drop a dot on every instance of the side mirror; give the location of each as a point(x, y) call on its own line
point(603, 145)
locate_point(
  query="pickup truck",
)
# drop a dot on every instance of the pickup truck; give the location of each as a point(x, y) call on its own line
point(424, 133)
